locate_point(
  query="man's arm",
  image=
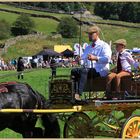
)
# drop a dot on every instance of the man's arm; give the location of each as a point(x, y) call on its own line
point(105, 56)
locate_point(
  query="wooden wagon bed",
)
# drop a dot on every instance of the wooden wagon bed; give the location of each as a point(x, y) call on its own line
point(99, 84)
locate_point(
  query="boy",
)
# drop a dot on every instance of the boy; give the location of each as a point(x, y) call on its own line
point(123, 68)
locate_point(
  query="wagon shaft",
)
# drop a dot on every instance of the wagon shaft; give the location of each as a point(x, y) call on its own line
point(120, 105)
point(100, 105)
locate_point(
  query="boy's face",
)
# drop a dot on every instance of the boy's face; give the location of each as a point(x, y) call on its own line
point(119, 47)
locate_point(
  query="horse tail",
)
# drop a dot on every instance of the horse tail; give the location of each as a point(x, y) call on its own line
point(51, 125)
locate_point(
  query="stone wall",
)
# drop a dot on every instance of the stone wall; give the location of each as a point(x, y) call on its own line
point(14, 40)
point(33, 15)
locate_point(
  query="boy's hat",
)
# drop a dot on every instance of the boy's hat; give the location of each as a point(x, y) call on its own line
point(121, 41)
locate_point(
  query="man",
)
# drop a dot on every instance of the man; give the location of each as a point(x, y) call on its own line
point(20, 67)
point(96, 57)
point(53, 66)
point(123, 68)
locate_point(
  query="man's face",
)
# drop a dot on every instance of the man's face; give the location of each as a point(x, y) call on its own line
point(119, 47)
point(93, 36)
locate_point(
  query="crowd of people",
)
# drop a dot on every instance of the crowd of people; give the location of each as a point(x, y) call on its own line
point(38, 63)
point(9, 65)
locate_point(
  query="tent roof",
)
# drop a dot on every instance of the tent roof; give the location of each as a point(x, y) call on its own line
point(61, 48)
point(68, 53)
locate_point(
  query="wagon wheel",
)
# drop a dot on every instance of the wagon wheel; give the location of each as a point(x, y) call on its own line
point(131, 128)
point(78, 126)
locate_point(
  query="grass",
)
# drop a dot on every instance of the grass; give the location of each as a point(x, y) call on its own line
point(44, 25)
point(37, 79)
point(8, 133)
point(112, 33)
point(110, 21)
point(32, 46)
point(12, 8)
point(9, 17)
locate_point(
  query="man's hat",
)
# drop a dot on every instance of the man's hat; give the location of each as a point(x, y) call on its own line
point(121, 41)
point(93, 29)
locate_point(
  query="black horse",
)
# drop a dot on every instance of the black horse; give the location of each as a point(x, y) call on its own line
point(21, 96)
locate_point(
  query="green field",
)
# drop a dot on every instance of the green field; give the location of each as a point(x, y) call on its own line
point(44, 25)
point(33, 46)
point(38, 79)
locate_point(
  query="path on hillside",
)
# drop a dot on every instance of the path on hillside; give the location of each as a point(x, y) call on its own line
point(106, 23)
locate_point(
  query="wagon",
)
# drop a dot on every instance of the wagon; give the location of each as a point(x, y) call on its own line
point(93, 116)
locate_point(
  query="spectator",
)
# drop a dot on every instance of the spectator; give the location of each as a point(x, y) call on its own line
point(3, 66)
point(14, 62)
point(20, 67)
point(53, 66)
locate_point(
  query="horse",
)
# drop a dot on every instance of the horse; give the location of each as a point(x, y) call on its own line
point(16, 95)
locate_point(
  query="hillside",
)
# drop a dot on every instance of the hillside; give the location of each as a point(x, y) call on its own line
point(47, 26)
point(12, 8)
point(109, 33)
point(44, 25)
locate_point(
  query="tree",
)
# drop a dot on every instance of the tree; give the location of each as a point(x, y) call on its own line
point(43, 5)
point(105, 9)
point(68, 27)
point(23, 25)
point(4, 29)
point(126, 11)
point(136, 12)
point(130, 12)
point(64, 6)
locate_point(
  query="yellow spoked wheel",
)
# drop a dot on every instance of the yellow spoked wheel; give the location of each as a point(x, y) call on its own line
point(131, 128)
